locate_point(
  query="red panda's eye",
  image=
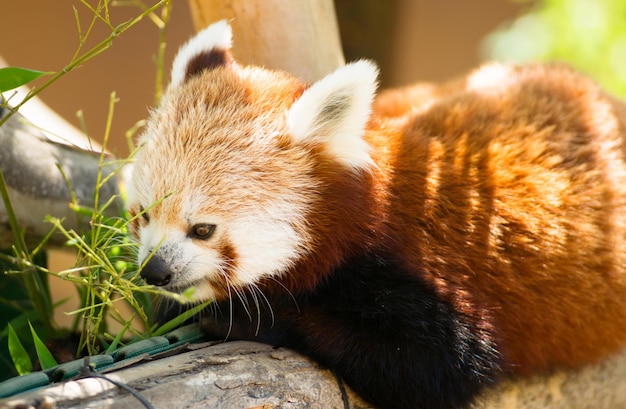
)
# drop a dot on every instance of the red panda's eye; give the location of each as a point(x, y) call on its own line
point(202, 231)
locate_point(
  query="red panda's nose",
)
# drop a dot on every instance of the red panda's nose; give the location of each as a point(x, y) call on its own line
point(156, 272)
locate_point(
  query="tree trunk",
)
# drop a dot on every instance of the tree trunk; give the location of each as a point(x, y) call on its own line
point(298, 36)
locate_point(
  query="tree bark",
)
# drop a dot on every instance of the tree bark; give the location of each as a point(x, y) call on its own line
point(256, 376)
point(231, 375)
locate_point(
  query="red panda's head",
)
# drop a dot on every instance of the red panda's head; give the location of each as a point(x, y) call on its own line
point(224, 183)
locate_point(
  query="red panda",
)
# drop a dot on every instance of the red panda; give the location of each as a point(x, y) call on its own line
point(423, 244)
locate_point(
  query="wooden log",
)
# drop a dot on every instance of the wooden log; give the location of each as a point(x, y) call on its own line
point(251, 375)
point(231, 375)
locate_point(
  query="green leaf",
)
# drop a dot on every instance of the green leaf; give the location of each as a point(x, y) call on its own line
point(118, 338)
point(13, 77)
point(178, 320)
point(46, 360)
point(18, 353)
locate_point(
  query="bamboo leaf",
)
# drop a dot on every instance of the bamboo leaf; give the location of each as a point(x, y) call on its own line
point(46, 360)
point(18, 353)
point(13, 77)
point(118, 338)
point(178, 320)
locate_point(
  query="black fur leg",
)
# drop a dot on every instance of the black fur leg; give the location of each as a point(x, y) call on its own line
point(388, 336)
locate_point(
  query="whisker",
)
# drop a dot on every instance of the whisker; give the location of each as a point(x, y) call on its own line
point(251, 296)
point(293, 298)
point(256, 290)
point(258, 309)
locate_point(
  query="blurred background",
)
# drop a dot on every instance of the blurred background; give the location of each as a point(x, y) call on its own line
point(412, 40)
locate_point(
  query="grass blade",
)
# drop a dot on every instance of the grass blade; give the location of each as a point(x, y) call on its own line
point(118, 338)
point(46, 360)
point(34, 282)
point(170, 325)
point(18, 353)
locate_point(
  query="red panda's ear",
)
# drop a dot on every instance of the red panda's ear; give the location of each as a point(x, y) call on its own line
point(334, 111)
point(210, 48)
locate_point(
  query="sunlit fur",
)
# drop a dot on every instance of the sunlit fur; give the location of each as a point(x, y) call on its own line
point(350, 92)
point(440, 238)
point(522, 208)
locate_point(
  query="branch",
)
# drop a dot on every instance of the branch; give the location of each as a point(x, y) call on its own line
point(250, 375)
point(35, 169)
point(230, 375)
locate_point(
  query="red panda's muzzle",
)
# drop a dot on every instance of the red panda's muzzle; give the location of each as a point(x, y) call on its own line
point(156, 272)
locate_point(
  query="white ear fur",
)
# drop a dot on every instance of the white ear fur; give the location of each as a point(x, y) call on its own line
point(334, 112)
point(216, 36)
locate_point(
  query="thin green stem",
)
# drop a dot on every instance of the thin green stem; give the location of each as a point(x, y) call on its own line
point(35, 287)
point(76, 62)
point(160, 60)
point(20, 243)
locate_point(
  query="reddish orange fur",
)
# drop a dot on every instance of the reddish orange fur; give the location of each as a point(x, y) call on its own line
point(512, 201)
point(471, 229)
point(509, 198)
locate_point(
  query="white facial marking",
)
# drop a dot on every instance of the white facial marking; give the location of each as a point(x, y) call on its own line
point(266, 244)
